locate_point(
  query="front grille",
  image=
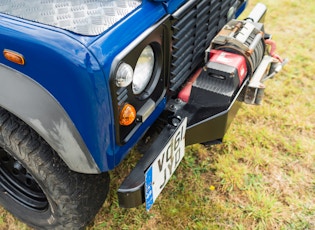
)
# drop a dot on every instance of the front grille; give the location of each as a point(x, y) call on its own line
point(194, 26)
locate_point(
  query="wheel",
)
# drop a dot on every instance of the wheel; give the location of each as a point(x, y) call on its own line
point(36, 185)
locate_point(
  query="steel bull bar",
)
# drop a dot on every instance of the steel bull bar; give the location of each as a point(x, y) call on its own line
point(210, 129)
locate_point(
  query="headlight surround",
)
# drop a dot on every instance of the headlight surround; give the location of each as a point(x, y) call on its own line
point(143, 71)
point(148, 57)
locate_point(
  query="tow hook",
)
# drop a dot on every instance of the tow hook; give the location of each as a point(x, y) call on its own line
point(267, 69)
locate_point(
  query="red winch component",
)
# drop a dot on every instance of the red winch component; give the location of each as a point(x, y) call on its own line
point(230, 60)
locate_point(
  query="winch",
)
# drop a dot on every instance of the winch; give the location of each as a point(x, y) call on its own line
point(240, 51)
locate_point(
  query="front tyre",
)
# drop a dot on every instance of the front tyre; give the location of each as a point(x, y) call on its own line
point(37, 187)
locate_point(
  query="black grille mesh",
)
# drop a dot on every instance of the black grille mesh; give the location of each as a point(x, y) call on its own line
point(194, 26)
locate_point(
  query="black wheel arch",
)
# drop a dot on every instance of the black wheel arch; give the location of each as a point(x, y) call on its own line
point(42, 112)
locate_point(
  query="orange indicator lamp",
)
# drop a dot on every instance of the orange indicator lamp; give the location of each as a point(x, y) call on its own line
point(14, 57)
point(127, 115)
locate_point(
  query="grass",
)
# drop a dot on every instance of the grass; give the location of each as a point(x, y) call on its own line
point(263, 175)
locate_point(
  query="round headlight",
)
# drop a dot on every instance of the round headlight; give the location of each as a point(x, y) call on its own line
point(143, 70)
point(124, 75)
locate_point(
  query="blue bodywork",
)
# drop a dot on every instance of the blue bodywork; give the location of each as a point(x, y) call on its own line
point(75, 69)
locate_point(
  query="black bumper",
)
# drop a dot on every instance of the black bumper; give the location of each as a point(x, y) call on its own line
point(206, 124)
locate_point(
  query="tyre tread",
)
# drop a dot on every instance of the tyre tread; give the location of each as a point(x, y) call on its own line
point(78, 196)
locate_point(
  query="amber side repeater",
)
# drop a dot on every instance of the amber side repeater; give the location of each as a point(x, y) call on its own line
point(14, 57)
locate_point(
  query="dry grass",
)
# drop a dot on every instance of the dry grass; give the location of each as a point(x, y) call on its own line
point(263, 176)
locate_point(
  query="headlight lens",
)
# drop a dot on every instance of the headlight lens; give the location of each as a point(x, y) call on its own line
point(124, 75)
point(143, 70)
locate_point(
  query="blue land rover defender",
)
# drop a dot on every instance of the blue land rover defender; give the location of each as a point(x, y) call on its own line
point(83, 81)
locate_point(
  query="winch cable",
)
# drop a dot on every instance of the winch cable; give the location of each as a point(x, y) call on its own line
point(273, 47)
